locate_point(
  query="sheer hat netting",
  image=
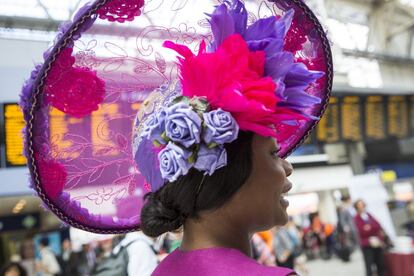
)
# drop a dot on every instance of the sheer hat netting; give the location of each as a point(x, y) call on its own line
point(121, 65)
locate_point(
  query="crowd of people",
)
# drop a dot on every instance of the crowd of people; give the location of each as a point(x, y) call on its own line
point(287, 246)
point(291, 245)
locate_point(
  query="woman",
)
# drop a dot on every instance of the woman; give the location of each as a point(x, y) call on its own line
point(13, 269)
point(371, 239)
point(243, 198)
point(236, 185)
point(210, 146)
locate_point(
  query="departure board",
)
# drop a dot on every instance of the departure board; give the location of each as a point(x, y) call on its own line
point(397, 111)
point(13, 127)
point(64, 129)
point(59, 126)
point(106, 129)
point(328, 129)
point(375, 118)
point(351, 119)
point(411, 118)
point(347, 118)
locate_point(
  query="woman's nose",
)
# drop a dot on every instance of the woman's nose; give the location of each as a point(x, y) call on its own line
point(288, 168)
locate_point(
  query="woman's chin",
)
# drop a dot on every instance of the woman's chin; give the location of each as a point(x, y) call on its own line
point(282, 216)
point(284, 219)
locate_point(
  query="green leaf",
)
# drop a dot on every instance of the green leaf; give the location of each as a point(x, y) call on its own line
point(181, 99)
point(212, 145)
point(156, 144)
point(165, 137)
point(199, 104)
point(192, 159)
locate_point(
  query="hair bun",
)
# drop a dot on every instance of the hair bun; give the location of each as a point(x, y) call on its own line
point(157, 219)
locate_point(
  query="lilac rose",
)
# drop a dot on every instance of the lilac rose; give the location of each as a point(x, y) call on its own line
point(210, 159)
point(183, 125)
point(220, 128)
point(154, 126)
point(173, 162)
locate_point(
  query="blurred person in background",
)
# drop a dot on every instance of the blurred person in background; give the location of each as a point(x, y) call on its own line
point(142, 255)
point(319, 238)
point(48, 264)
point(103, 250)
point(68, 261)
point(171, 242)
point(409, 225)
point(134, 255)
point(86, 260)
point(284, 248)
point(347, 235)
point(371, 239)
point(103, 264)
point(262, 253)
point(267, 237)
point(13, 269)
point(296, 234)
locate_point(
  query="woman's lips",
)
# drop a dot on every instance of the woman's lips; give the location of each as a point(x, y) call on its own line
point(287, 187)
point(283, 201)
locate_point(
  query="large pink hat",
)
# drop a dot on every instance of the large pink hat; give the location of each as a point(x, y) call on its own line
point(97, 109)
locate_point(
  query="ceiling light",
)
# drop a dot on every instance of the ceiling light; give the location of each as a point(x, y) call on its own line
point(19, 206)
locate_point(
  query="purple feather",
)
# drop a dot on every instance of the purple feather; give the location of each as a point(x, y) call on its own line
point(147, 161)
point(239, 14)
point(297, 80)
point(27, 91)
point(270, 27)
point(268, 35)
point(279, 65)
point(286, 20)
point(300, 76)
point(263, 28)
point(297, 98)
point(271, 46)
point(222, 26)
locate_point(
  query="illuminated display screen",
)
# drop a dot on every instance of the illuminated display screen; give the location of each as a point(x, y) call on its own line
point(13, 126)
point(328, 129)
point(351, 118)
point(99, 126)
point(397, 110)
point(411, 103)
point(348, 118)
point(375, 118)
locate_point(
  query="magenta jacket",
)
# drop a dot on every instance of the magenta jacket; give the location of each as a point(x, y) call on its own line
point(215, 262)
point(364, 234)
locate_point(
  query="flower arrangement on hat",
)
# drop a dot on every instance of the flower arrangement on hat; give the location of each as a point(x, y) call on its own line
point(244, 80)
point(189, 134)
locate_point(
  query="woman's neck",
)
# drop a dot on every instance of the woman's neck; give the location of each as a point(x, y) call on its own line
point(212, 231)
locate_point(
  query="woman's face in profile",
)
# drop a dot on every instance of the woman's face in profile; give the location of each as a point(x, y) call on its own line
point(263, 194)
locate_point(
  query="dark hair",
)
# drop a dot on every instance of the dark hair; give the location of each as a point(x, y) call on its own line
point(168, 208)
point(44, 241)
point(356, 203)
point(345, 198)
point(9, 266)
point(312, 216)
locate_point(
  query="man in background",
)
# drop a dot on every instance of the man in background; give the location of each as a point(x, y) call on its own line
point(48, 264)
point(68, 261)
point(347, 232)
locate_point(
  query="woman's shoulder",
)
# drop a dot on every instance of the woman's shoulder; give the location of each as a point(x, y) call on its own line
point(215, 261)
